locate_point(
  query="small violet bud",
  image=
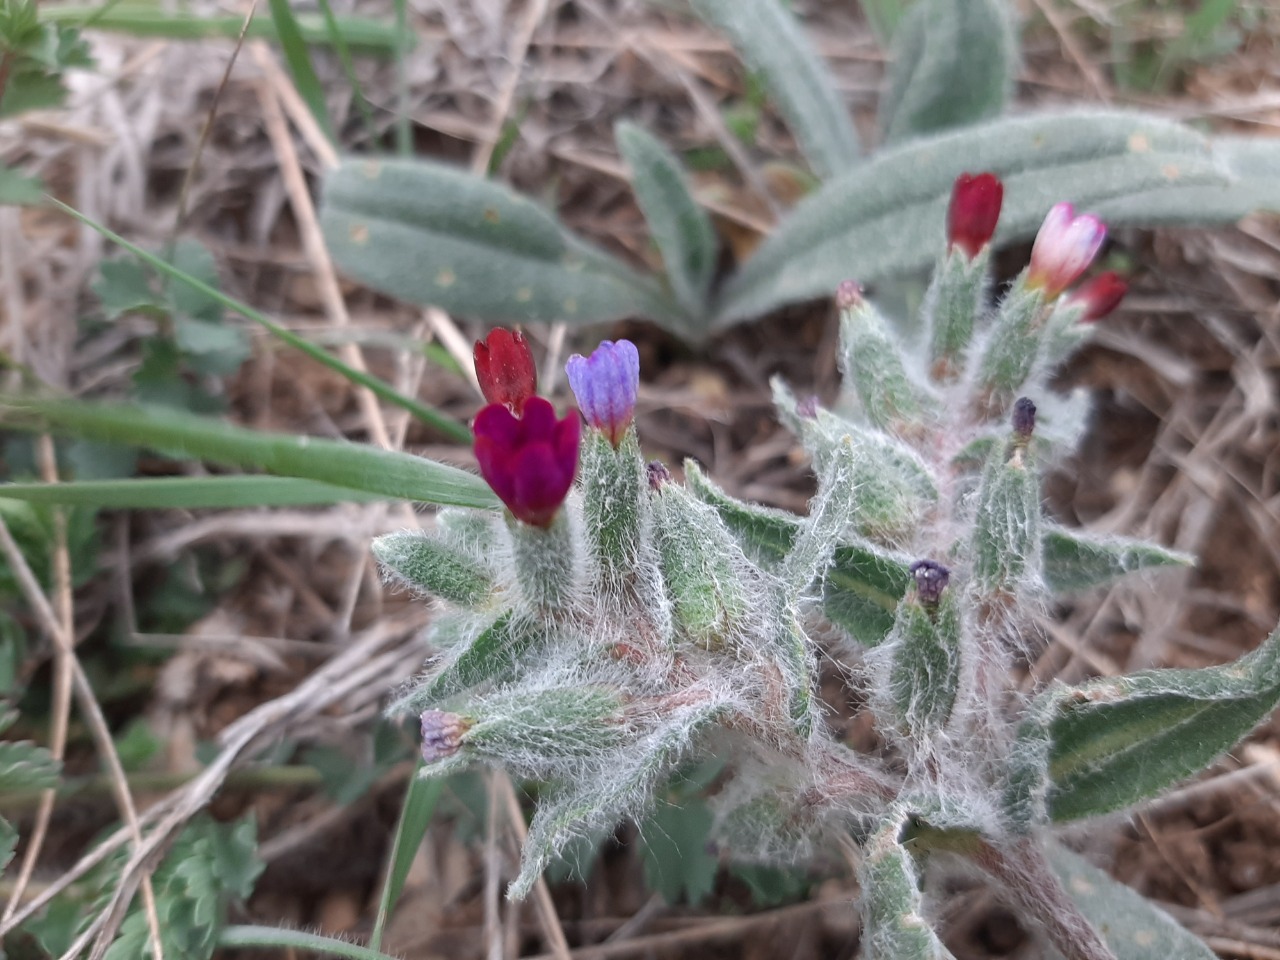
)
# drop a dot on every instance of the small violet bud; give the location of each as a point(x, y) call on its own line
point(974, 212)
point(1064, 248)
point(848, 294)
point(658, 474)
point(1101, 295)
point(529, 461)
point(931, 579)
point(442, 734)
point(1024, 419)
point(605, 385)
point(807, 407)
point(505, 369)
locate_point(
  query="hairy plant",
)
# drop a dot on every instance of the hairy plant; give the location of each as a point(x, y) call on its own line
point(602, 631)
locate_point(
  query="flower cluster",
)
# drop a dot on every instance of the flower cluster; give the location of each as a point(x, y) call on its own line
point(527, 455)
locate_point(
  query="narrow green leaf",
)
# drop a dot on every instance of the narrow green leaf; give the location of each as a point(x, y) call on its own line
point(680, 228)
point(952, 65)
point(359, 467)
point(148, 19)
point(491, 656)
point(884, 16)
point(1074, 560)
point(298, 57)
point(186, 493)
point(1118, 740)
point(773, 45)
point(380, 388)
point(277, 939)
point(1134, 928)
point(433, 234)
point(415, 816)
point(886, 217)
point(893, 922)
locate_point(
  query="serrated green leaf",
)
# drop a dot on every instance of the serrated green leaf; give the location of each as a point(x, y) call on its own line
point(952, 65)
point(674, 840)
point(195, 260)
point(679, 227)
point(1118, 740)
point(187, 493)
point(364, 468)
point(25, 766)
point(1074, 560)
point(773, 46)
point(1134, 928)
point(8, 842)
point(124, 286)
point(433, 234)
point(886, 217)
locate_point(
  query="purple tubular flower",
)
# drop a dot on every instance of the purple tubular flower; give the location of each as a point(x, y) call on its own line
point(528, 461)
point(1064, 248)
point(605, 385)
point(442, 734)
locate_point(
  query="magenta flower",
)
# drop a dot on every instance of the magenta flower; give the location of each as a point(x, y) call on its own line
point(974, 211)
point(529, 461)
point(505, 369)
point(1101, 295)
point(1064, 248)
point(605, 385)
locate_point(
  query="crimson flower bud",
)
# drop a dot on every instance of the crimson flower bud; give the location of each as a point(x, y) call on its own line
point(605, 386)
point(974, 211)
point(529, 461)
point(1064, 248)
point(505, 368)
point(1101, 295)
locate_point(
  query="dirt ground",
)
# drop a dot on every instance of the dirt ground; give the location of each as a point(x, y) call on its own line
point(1184, 447)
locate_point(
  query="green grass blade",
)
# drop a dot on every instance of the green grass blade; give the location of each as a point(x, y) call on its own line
point(380, 388)
point(404, 128)
point(348, 67)
point(369, 469)
point(280, 939)
point(419, 805)
point(361, 34)
point(186, 493)
point(298, 57)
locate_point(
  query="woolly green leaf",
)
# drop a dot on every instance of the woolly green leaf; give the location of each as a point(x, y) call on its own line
point(924, 667)
point(871, 361)
point(886, 217)
point(1134, 928)
point(863, 583)
point(613, 490)
point(952, 65)
point(1118, 740)
point(679, 227)
point(567, 810)
point(952, 305)
point(490, 656)
point(433, 234)
point(1074, 560)
point(186, 493)
point(24, 766)
point(359, 467)
point(1254, 184)
point(1006, 528)
point(431, 563)
point(893, 923)
point(773, 46)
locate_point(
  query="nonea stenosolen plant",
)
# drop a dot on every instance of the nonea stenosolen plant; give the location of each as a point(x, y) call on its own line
point(614, 623)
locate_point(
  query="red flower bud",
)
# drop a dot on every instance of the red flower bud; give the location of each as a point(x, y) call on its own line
point(974, 211)
point(529, 461)
point(1101, 295)
point(505, 368)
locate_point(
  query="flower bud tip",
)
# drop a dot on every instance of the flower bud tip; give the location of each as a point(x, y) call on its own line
point(1024, 419)
point(442, 734)
point(849, 295)
point(974, 212)
point(931, 579)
